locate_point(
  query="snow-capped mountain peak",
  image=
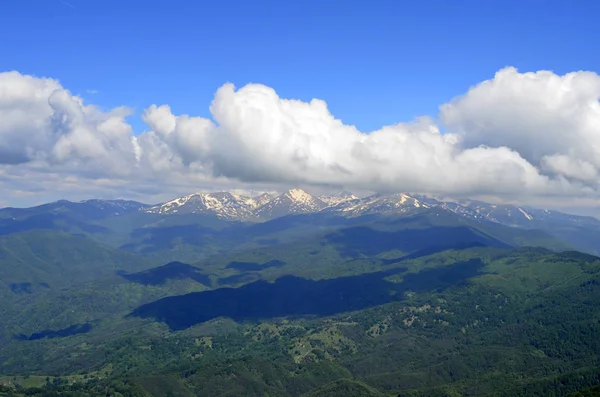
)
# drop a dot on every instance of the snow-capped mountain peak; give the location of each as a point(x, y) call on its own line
point(338, 198)
point(230, 206)
point(405, 199)
point(299, 196)
point(294, 201)
point(221, 204)
point(262, 199)
point(380, 203)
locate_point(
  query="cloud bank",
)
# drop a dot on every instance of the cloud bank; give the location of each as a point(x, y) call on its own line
point(518, 135)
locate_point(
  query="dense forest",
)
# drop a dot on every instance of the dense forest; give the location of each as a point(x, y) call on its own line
point(425, 304)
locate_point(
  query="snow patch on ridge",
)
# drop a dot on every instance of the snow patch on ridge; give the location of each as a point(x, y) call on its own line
point(526, 214)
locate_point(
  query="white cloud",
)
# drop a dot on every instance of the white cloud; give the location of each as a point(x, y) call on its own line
point(518, 135)
point(552, 121)
point(42, 123)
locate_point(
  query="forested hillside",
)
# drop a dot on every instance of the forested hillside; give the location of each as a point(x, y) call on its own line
point(423, 303)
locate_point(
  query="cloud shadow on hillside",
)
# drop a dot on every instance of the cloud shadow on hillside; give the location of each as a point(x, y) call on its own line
point(148, 240)
point(294, 296)
point(433, 250)
point(171, 271)
point(61, 333)
point(357, 241)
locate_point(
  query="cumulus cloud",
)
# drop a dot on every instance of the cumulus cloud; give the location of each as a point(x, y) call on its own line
point(515, 135)
point(43, 123)
point(261, 137)
point(551, 121)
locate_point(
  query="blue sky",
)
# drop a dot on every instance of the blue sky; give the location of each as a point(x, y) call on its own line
point(373, 62)
point(520, 137)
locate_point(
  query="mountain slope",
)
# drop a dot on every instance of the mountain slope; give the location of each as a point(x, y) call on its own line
point(348, 250)
point(345, 387)
point(477, 321)
point(294, 201)
point(580, 232)
point(231, 206)
point(222, 204)
point(106, 221)
point(337, 198)
point(395, 203)
point(49, 259)
point(455, 326)
point(81, 210)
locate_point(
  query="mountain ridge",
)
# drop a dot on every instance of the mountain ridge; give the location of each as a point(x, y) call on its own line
point(581, 232)
point(92, 216)
point(233, 206)
point(297, 200)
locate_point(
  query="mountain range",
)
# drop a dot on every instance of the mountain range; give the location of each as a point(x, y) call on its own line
point(297, 294)
point(236, 207)
point(231, 206)
point(114, 221)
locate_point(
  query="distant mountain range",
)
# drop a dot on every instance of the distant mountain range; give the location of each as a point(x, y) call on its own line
point(88, 209)
point(95, 217)
point(580, 231)
point(230, 206)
